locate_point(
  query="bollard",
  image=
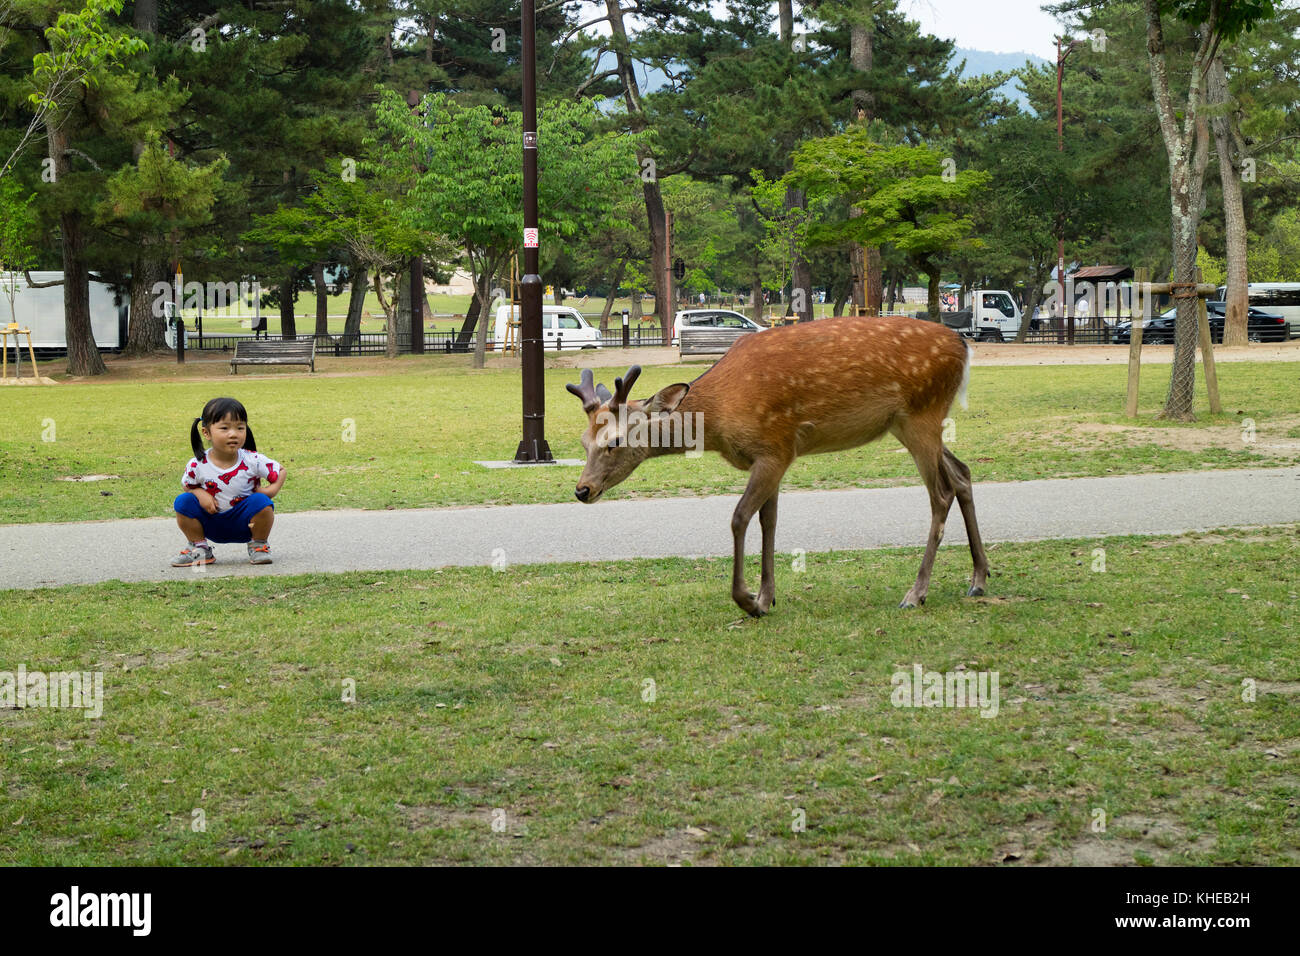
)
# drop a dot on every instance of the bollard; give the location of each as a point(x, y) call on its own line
point(180, 341)
point(559, 340)
point(626, 331)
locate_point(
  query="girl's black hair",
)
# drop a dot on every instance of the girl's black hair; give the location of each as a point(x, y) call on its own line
point(213, 412)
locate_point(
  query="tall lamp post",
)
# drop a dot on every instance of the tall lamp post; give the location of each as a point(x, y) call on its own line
point(1067, 309)
point(533, 449)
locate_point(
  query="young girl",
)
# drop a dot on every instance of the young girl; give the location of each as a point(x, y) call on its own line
point(223, 499)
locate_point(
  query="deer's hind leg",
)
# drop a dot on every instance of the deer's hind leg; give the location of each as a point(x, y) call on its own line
point(959, 479)
point(923, 437)
point(760, 495)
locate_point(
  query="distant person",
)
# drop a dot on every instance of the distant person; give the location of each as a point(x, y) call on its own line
point(1034, 322)
point(224, 501)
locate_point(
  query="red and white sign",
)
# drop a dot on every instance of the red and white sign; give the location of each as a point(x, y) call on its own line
point(530, 238)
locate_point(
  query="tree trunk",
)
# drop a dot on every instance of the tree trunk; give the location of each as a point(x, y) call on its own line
point(356, 305)
point(288, 322)
point(1188, 152)
point(785, 17)
point(322, 299)
point(390, 317)
point(1234, 216)
point(83, 353)
point(403, 298)
point(756, 293)
point(145, 331)
point(932, 292)
point(482, 289)
point(654, 201)
point(612, 295)
point(861, 58)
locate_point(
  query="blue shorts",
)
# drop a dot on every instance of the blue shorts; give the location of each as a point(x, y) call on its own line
point(224, 527)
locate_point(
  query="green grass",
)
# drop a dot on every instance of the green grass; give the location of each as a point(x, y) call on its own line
point(419, 429)
point(525, 692)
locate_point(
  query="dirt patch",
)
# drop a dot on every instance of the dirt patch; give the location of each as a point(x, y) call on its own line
point(673, 848)
point(1269, 439)
point(1008, 353)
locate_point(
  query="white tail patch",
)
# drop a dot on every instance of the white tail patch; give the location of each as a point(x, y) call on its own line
point(965, 378)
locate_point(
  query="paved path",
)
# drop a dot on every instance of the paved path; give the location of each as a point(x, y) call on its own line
point(44, 555)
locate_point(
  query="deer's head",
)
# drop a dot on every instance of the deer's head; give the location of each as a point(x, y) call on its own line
point(616, 427)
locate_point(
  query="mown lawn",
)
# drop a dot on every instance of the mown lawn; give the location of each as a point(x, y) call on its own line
point(416, 433)
point(524, 699)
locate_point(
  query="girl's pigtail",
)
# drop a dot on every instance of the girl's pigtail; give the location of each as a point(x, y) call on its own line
point(196, 440)
point(249, 444)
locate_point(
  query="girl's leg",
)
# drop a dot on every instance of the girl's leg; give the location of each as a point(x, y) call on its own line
point(188, 512)
point(261, 523)
point(192, 528)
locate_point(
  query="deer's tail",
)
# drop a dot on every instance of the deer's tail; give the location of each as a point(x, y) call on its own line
point(965, 376)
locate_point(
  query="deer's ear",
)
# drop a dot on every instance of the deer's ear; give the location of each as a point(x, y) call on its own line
point(667, 399)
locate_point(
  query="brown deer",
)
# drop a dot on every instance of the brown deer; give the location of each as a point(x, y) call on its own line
point(799, 390)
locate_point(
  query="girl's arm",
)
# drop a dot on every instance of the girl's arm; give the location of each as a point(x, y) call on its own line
point(271, 489)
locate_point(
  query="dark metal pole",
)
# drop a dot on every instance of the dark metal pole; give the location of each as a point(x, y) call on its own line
point(533, 448)
point(417, 305)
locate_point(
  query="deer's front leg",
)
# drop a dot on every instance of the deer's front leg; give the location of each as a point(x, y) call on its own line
point(767, 518)
point(763, 483)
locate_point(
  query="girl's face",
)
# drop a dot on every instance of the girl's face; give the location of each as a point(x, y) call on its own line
point(227, 435)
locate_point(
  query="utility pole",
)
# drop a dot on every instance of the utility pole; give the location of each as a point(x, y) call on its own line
point(533, 449)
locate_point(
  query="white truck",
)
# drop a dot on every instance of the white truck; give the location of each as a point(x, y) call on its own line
point(988, 315)
point(41, 310)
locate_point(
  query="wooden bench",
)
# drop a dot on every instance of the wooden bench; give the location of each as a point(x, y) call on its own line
point(704, 340)
point(274, 352)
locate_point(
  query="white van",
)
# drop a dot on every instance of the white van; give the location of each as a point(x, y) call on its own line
point(1282, 298)
point(563, 328)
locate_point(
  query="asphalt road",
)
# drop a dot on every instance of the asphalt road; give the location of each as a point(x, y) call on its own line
point(46, 555)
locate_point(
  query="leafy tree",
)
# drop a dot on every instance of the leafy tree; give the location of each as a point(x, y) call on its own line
point(17, 237)
point(907, 196)
point(479, 204)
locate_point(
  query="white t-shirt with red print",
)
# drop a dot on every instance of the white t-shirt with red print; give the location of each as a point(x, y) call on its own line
point(230, 486)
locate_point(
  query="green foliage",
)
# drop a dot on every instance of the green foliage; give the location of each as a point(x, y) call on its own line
point(17, 236)
point(80, 44)
point(910, 197)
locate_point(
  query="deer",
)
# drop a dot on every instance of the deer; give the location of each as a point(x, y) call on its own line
point(789, 391)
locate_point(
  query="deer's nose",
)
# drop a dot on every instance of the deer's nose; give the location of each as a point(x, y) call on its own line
point(582, 493)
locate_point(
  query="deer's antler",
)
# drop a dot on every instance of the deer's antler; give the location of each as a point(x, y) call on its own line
point(586, 390)
point(623, 386)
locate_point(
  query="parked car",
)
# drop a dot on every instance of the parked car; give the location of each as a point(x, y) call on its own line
point(1261, 326)
point(713, 319)
point(562, 327)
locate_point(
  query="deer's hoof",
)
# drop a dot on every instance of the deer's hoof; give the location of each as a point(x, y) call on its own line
point(975, 592)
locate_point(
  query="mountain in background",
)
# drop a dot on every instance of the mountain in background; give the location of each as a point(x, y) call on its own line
point(977, 62)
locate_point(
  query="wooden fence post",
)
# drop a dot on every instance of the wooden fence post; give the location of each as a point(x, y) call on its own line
point(1207, 351)
point(1138, 304)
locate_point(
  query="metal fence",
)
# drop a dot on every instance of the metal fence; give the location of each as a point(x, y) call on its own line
point(376, 343)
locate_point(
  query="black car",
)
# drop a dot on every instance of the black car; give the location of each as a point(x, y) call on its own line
point(1261, 326)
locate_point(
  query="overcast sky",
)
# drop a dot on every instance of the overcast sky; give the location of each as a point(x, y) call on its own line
point(999, 26)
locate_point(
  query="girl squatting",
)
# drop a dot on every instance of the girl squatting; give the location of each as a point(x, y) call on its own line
point(224, 500)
